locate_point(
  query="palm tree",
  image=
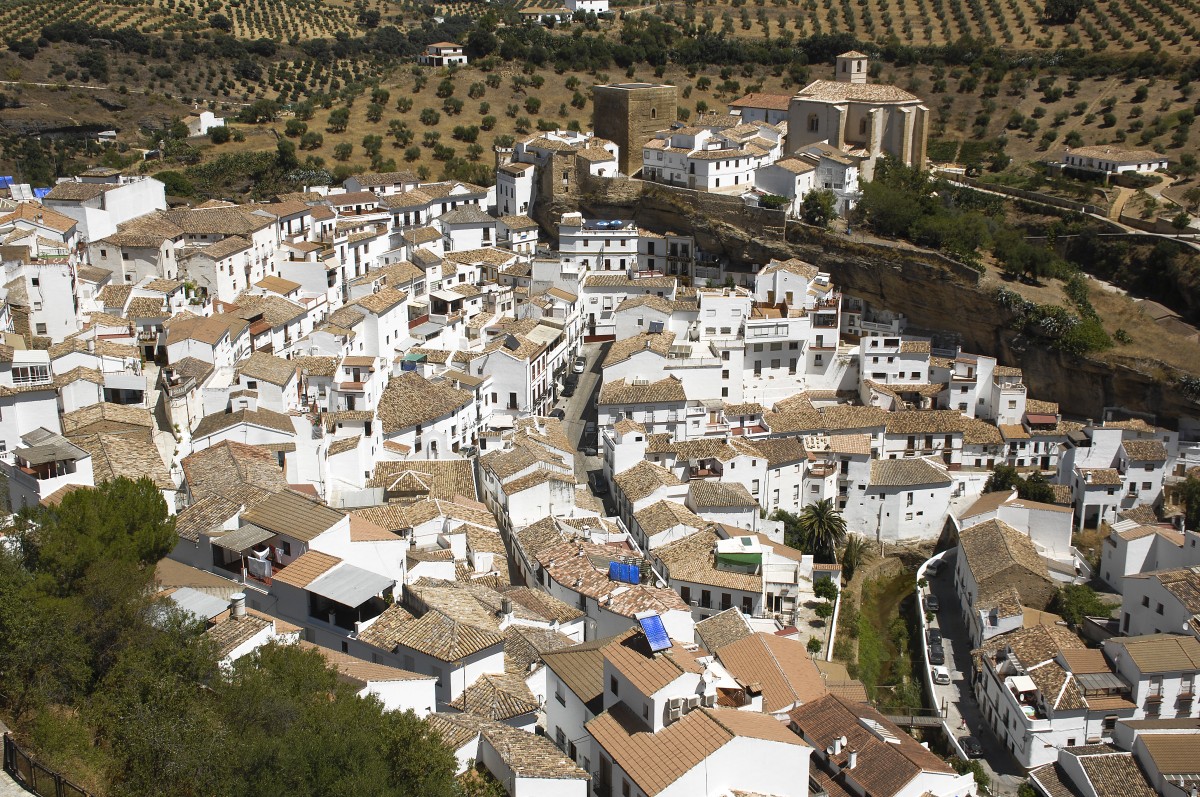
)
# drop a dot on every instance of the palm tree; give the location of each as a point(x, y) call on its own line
point(852, 555)
point(822, 528)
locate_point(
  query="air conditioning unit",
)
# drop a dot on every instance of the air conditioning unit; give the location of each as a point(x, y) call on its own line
point(693, 702)
point(674, 715)
point(675, 703)
point(710, 700)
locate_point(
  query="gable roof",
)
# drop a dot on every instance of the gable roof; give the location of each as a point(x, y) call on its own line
point(781, 667)
point(656, 760)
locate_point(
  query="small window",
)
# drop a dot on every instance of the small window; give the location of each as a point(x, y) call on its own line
point(612, 685)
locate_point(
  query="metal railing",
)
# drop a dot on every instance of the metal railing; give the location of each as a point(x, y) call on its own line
point(35, 777)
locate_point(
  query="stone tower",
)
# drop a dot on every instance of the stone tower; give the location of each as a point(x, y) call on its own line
point(851, 67)
point(629, 114)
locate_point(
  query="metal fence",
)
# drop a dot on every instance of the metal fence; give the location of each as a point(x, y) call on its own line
point(33, 776)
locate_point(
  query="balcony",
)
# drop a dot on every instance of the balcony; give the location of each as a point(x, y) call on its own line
point(351, 387)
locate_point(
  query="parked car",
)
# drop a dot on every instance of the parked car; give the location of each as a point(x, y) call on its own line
point(933, 636)
point(558, 412)
point(937, 654)
point(932, 603)
point(971, 746)
point(598, 483)
point(589, 431)
point(579, 366)
point(588, 451)
point(940, 675)
point(568, 390)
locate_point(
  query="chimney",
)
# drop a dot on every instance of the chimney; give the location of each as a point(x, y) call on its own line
point(506, 606)
point(836, 749)
point(237, 605)
point(853, 759)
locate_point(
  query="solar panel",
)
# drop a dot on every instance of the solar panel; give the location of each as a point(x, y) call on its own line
point(656, 633)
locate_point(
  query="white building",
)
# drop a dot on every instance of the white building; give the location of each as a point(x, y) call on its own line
point(1114, 160)
point(199, 124)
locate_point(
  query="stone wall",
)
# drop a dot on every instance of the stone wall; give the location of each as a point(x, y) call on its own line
point(629, 116)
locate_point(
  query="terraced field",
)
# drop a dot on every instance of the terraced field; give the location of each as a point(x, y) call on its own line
point(249, 19)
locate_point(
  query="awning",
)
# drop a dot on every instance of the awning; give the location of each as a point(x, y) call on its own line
point(201, 604)
point(243, 539)
point(1023, 683)
point(1041, 420)
point(349, 585)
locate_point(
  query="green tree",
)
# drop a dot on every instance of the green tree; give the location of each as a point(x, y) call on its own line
point(1188, 494)
point(1003, 478)
point(825, 589)
point(819, 529)
point(819, 207)
point(1076, 601)
point(814, 646)
point(219, 135)
point(343, 151)
point(295, 128)
point(339, 119)
point(1063, 11)
point(853, 555)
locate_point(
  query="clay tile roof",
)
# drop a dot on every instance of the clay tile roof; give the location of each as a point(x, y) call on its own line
point(654, 761)
point(382, 300)
point(781, 666)
point(621, 350)
point(907, 473)
point(1101, 477)
point(1145, 450)
point(268, 368)
point(306, 568)
point(444, 638)
point(629, 653)
point(231, 632)
point(662, 515)
point(1161, 652)
point(981, 433)
point(925, 422)
point(995, 551)
point(834, 91)
point(643, 479)
point(581, 669)
point(692, 559)
point(884, 768)
point(668, 389)
point(705, 493)
point(384, 178)
point(843, 417)
point(773, 102)
point(723, 628)
point(497, 697)
point(410, 399)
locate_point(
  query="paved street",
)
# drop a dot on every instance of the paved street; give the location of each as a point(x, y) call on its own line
point(581, 408)
point(958, 698)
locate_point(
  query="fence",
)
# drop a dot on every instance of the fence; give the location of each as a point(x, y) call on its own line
point(33, 776)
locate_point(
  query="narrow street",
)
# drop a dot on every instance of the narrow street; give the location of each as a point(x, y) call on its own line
point(581, 408)
point(963, 716)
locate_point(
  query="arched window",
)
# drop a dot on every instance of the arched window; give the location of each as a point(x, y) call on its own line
point(653, 113)
point(813, 123)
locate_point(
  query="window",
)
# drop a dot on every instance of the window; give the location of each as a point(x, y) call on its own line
point(35, 281)
point(686, 594)
point(612, 685)
point(1159, 609)
point(1187, 683)
point(706, 599)
point(1145, 600)
point(813, 123)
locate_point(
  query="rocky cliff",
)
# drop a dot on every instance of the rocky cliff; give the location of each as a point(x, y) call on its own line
point(936, 294)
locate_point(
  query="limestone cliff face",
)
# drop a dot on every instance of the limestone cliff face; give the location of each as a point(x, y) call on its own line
point(935, 293)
